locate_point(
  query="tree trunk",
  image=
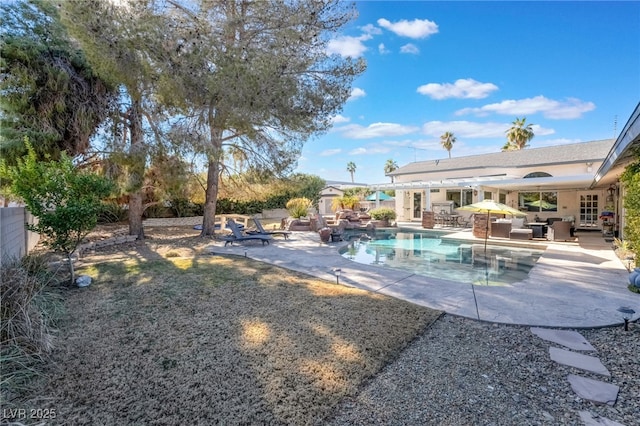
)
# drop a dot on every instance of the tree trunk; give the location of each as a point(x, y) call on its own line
point(136, 209)
point(71, 269)
point(213, 178)
point(136, 171)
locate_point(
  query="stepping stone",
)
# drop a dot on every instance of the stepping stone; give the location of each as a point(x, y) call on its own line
point(594, 390)
point(589, 420)
point(574, 359)
point(570, 339)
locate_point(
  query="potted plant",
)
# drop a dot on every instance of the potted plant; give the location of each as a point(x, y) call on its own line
point(383, 214)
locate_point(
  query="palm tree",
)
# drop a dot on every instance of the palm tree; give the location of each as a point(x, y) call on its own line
point(390, 166)
point(447, 140)
point(519, 135)
point(351, 168)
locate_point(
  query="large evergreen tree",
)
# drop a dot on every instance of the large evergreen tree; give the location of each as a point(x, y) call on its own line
point(255, 78)
point(120, 40)
point(50, 93)
point(246, 76)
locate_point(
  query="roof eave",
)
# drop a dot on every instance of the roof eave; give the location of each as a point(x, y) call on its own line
point(623, 146)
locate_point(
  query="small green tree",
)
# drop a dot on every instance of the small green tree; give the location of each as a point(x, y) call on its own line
point(65, 200)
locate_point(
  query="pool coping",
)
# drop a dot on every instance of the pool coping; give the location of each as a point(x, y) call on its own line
point(573, 285)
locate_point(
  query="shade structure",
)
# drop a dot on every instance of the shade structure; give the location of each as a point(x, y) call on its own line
point(490, 206)
point(380, 196)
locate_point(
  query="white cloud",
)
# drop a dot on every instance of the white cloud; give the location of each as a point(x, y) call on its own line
point(410, 48)
point(347, 46)
point(358, 151)
point(467, 88)
point(469, 129)
point(382, 49)
point(370, 150)
point(549, 108)
point(375, 130)
point(329, 152)
point(340, 119)
point(418, 28)
point(371, 29)
point(356, 93)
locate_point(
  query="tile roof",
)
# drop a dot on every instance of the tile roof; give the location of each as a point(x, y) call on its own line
point(559, 154)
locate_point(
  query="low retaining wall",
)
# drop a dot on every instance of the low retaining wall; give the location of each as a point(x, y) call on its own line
point(107, 242)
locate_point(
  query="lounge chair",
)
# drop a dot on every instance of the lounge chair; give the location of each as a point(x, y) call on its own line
point(261, 231)
point(237, 235)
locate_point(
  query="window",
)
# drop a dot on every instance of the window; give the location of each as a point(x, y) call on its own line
point(460, 197)
point(537, 174)
point(538, 201)
point(488, 195)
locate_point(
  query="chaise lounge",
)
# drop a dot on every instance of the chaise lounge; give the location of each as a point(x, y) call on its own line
point(237, 235)
point(261, 231)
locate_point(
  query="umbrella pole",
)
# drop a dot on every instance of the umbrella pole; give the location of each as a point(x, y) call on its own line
point(486, 232)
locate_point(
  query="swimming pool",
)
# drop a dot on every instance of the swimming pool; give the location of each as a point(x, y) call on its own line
point(428, 254)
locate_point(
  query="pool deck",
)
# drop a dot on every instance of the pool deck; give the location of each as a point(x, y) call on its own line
point(574, 284)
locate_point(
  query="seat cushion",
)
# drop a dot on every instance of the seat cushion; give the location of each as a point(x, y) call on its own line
point(517, 223)
point(521, 234)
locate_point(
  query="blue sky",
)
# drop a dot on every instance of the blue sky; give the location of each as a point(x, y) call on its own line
point(570, 68)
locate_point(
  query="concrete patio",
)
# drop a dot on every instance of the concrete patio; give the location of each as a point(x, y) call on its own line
point(574, 284)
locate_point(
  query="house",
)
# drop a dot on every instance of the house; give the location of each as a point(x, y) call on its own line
point(327, 195)
point(333, 190)
point(577, 180)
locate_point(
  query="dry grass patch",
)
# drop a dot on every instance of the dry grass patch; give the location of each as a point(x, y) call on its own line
point(207, 339)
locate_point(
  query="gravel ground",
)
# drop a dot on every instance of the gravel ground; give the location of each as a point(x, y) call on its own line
point(464, 372)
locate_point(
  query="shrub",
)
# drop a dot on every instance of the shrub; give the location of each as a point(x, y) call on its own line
point(383, 213)
point(631, 180)
point(298, 207)
point(112, 212)
point(345, 202)
point(29, 311)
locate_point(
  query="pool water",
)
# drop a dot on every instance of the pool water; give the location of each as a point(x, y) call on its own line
point(427, 254)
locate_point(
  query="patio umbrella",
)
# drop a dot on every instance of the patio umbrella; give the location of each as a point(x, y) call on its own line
point(381, 196)
point(491, 206)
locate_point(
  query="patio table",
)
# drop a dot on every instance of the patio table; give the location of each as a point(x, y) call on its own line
point(538, 229)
